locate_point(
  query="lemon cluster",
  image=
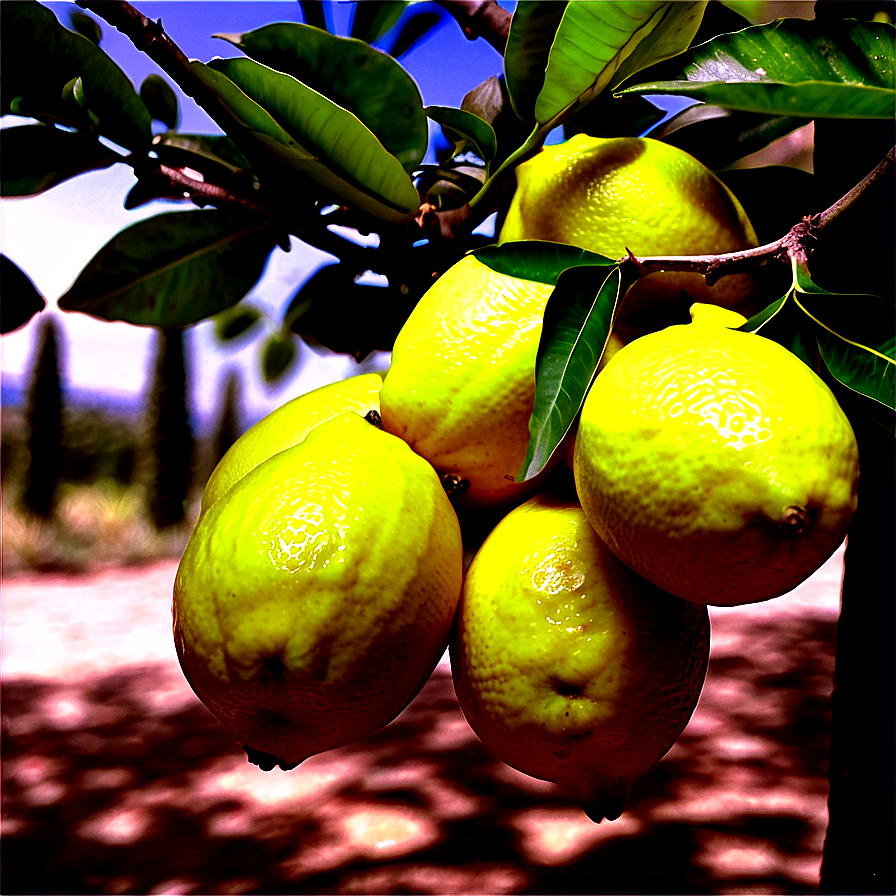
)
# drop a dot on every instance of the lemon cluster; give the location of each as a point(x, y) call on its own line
point(325, 577)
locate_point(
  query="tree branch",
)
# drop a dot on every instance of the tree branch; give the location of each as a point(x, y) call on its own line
point(481, 18)
point(795, 244)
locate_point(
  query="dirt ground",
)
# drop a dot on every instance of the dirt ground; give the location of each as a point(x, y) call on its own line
point(117, 780)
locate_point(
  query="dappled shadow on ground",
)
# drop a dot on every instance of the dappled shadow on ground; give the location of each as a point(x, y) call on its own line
point(124, 783)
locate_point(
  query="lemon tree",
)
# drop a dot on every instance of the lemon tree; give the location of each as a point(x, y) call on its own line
point(323, 139)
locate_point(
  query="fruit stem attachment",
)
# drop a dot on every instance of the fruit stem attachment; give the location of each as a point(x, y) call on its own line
point(454, 484)
point(794, 521)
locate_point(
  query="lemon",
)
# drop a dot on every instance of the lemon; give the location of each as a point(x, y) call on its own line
point(461, 385)
point(315, 596)
point(287, 426)
point(569, 666)
point(614, 194)
point(715, 463)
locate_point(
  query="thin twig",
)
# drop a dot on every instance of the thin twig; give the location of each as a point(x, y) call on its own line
point(795, 244)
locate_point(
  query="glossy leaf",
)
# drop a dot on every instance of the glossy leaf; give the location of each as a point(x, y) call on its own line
point(40, 57)
point(532, 31)
point(491, 102)
point(608, 116)
point(466, 131)
point(161, 100)
point(371, 21)
point(855, 336)
point(313, 13)
point(324, 142)
point(811, 69)
point(719, 137)
point(277, 357)
point(577, 324)
point(173, 269)
point(208, 153)
point(598, 45)
point(37, 157)
point(367, 82)
point(20, 299)
point(537, 260)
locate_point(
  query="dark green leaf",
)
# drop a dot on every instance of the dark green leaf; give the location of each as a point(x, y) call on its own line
point(366, 82)
point(277, 356)
point(466, 131)
point(324, 142)
point(372, 20)
point(599, 45)
point(21, 300)
point(208, 153)
point(161, 100)
point(314, 13)
point(40, 57)
point(609, 116)
point(173, 269)
point(718, 137)
point(414, 32)
point(449, 187)
point(233, 322)
point(856, 338)
point(577, 324)
point(37, 157)
point(811, 69)
point(537, 260)
point(532, 31)
point(86, 26)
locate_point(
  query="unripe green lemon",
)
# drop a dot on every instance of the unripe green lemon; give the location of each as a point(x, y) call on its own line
point(569, 666)
point(461, 386)
point(288, 425)
point(315, 596)
point(715, 463)
point(614, 194)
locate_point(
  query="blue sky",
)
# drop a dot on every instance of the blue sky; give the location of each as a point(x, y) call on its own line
point(52, 236)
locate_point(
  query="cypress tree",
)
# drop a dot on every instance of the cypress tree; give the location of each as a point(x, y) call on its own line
point(43, 424)
point(170, 435)
point(228, 429)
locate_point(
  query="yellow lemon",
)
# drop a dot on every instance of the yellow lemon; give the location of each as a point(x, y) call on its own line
point(461, 385)
point(569, 666)
point(614, 194)
point(315, 597)
point(287, 426)
point(715, 463)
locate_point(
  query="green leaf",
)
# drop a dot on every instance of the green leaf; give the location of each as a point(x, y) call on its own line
point(173, 269)
point(719, 137)
point(86, 26)
point(608, 116)
point(466, 131)
point(367, 82)
point(810, 69)
point(277, 356)
point(577, 324)
point(21, 300)
point(537, 260)
point(40, 57)
point(598, 45)
point(161, 100)
point(856, 338)
point(532, 31)
point(414, 31)
point(491, 102)
point(37, 157)
point(236, 321)
point(371, 21)
point(314, 13)
point(210, 154)
point(317, 139)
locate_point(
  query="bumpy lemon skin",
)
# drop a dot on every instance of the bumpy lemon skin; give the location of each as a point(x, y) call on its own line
point(461, 385)
point(287, 426)
point(315, 597)
point(614, 194)
point(569, 666)
point(715, 463)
